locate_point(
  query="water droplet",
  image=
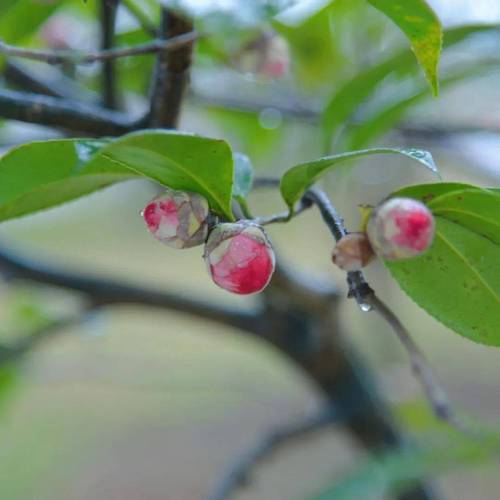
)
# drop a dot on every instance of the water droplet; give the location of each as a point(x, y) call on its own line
point(365, 307)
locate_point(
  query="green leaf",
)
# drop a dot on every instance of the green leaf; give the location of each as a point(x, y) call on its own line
point(381, 122)
point(174, 159)
point(243, 175)
point(41, 175)
point(422, 27)
point(393, 471)
point(299, 178)
point(32, 14)
point(475, 209)
point(315, 56)
point(344, 102)
point(458, 280)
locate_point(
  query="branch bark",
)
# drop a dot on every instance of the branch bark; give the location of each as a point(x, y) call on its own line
point(103, 292)
point(171, 72)
point(108, 77)
point(64, 113)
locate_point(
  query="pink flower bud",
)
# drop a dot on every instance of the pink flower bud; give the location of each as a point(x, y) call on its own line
point(276, 63)
point(239, 257)
point(400, 228)
point(178, 218)
point(353, 252)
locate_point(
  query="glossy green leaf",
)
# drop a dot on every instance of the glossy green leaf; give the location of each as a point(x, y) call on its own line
point(458, 280)
point(393, 471)
point(174, 159)
point(422, 27)
point(474, 209)
point(300, 177)
point(243, 175)
point(40, 175)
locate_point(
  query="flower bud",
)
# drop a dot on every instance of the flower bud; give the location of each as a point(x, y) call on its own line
point(353, 252)
point(400, 228)
point(178, 218)
point(239, 257)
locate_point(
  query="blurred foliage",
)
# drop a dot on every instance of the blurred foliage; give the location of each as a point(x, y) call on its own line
point(395, 471)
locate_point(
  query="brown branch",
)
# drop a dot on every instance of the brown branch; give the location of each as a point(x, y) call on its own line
point(108, 77)
point(64, 113)
point(171, 72)
point(65, 56)
point(102, 292)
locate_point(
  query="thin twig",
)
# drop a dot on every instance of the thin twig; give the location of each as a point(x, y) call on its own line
point(420, 366)
point(304, 204)
point(108, 18)
point(64, 56)
point(240, 471)
point(358, 287)
point(103, 292)
point(64, 113)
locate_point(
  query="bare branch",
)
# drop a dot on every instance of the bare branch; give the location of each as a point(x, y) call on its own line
point(103, 292)
point(64, 56)
point(64, 113)
point(420, 366)
point(108, 18)
point(240, 471)
point(171, 71)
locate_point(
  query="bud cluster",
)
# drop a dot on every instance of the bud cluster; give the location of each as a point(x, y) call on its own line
point(397, 229)
point(239, 256)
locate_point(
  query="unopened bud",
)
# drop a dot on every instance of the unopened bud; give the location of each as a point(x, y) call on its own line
point(178, 218)
point(400, 228)
point(239, 257)
point(353, 252)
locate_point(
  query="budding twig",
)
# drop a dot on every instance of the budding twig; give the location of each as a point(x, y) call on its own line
point(358, 287)
point(64, 56)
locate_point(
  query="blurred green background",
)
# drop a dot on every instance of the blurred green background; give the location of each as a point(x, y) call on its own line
point(136, 403)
